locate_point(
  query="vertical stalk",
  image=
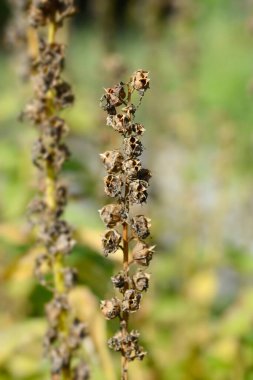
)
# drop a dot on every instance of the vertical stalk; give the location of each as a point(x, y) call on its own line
point(51, 201)
point(125, 316)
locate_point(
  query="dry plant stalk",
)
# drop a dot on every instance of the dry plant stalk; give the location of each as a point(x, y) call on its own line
point(52, 94)
point(127, 181)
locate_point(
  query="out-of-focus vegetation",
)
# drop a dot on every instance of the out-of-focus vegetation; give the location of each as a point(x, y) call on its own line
point(197, 320)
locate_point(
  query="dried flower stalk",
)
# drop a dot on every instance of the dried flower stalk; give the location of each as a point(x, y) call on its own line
point(51, 95)
point(127, 181)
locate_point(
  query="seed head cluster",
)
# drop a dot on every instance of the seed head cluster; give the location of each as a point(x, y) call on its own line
point(51, 95)
point(126, 181)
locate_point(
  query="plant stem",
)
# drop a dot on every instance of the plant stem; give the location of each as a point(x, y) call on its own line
point(125, 316)
point(51, 201)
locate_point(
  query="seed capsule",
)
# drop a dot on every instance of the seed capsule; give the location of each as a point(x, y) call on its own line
point(138, 191)
point(140, 81)
point(111, 214)
point(110, 308)
point(141, 281)
point(132, 146)
point(119, 281)
point(119, 122)
point(81, 372)
point(136, 129)
point(143, 253)
point(140, 224)
point(131, 301)
point(112, 161)
point(111, 241)
point(113, 185)
point(131, 167)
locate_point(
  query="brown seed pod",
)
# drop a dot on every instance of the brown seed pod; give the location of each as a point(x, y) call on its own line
point(81, 372)
point(140, 225)
point(55, 308)
point(143, 253)
point(140, 81)
point(70, 277)
point(116, 95)
point(119, 122)
point(138, 191)
point(78, 331)
point(141, 281)
point(111, 214)
point(136, 129)
point(119, 281)
point(110, 308)
point(131, 167)
point(113, 185)
point(131, 301)
point(132, 146)
point(112, 161)
point(111, 241)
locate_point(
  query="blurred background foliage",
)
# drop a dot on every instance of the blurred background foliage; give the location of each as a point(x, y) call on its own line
point(196, 321)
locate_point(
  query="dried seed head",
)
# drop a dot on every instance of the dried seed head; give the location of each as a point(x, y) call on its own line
point(136, 129)
point(42, 268)
point(81, 372)
point(113, 185)
point(55, 308)
point(60, 359)
point(111, 241)
point(131, 167)
point(57, 237)
point(141, 281)
point(110, 308)
point(143, 253)
point(140, 224)
point(116, 94)
point(70, 277)
point(119, 281)
point(138, 191)
point(112, 161)
point(115, 343)
point(49, 339)
point(78, 332)
point(119, 122)
point(54, 130)
point(132, 146)
point(144, 175)
point(111, 214)
point(140, 81)
point(131, 301)
point(128, 345)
